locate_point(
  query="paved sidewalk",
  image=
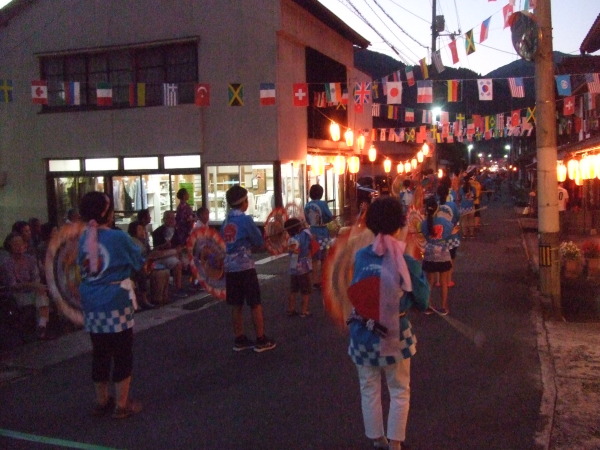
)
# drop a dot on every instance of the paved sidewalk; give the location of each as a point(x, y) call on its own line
point(570, 357)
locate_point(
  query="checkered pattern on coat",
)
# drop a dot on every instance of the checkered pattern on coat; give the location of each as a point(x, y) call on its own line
point(114, 321)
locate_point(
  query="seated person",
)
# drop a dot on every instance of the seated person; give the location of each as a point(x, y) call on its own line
point(161, 238)
point(19, 273)
point(152, 275)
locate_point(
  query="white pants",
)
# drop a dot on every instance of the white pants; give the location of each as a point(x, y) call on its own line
point(398, 382)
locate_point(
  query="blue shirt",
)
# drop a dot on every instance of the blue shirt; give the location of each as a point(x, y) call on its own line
point(299, 250)
point(438, 243)
point(365, 345)
point(318, 215)
point(106, 305)
point(240, 234)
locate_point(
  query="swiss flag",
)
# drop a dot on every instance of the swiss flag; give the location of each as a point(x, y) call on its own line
point(202, 94)
point(39, 92)
point(569, 106)
point(300, 94)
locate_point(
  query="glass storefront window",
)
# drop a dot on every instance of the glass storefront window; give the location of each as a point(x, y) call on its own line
point(64, 165)
point(193, 184)
point(101, 164)
point(331, 186)
point(257, 178)
point(132, 193)
point(293, 184)
point(69, 190)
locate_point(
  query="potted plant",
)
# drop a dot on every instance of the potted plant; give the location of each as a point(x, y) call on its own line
point(570, 255)
point(591, 252)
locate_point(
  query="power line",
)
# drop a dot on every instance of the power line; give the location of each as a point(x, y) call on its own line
point(401, 29)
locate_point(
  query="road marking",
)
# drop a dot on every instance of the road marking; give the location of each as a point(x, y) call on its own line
point(51, 441)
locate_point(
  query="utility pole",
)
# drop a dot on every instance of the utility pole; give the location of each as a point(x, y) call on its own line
point(547, 184)
point(434, 31)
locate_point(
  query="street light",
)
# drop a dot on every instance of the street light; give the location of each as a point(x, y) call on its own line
point(469, 148)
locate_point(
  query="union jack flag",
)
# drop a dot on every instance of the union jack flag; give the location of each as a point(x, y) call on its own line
point(362, 93)
point(593, 82)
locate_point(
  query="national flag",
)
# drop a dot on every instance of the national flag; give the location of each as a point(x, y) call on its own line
point(427, 116)
point(319, 99)
point(444, 117)
point(359, 108)
point(453, 50)
point(410, 76)
point(507, 12)
point(478, 121)
point(300, 91)
point(470, 126)
point(39, 92)
point(469, 43)
point(202, 94)
point(6, 91)
point(453, 90)
point(267, 94)
point(104, 94)
point(517, 88)
point(563, 85)
point(392, 112)
point(424, 91)
point(137, 94)
point(375, 109)
point(394, 92)
point(593, 82)
point(485, 26)
point(590, 101)
point(424, 69)
point(170, 94)
point(437, 61)
point(568, 106)
point(486, 92)
point(72, 92)
point(530, 116)
point(500, 123)
point(235, 93)
point(375, 88)
point(515, 117)
point(344, 99)
point(362, 93)
point(333, 92)
point(409, 115)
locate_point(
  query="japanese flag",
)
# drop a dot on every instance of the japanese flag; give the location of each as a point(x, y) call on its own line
point(394, 92)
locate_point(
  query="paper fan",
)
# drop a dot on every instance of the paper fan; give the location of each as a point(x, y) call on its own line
point(276, 237)
point(337, 272)
point(397, 184)
point(206, 250)
point(293, 210)
point(62, 271)
point(415, 241)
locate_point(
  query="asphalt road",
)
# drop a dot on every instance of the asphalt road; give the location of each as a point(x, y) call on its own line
point(304, 394)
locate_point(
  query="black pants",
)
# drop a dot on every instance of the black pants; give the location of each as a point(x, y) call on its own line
point(112, 349)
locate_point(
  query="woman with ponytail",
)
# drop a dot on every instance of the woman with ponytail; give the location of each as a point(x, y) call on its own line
point(106, 260)
point(438, 233)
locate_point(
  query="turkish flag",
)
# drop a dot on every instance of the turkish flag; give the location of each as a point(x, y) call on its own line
point(300, 94)
point(569, 106)
point(515, 117)
point(202, 96)
point(39, 92)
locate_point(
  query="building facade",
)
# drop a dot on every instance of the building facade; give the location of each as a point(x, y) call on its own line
point(143, 97)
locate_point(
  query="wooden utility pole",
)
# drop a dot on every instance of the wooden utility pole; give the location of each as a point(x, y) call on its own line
point(547, 184)
point(434, 32)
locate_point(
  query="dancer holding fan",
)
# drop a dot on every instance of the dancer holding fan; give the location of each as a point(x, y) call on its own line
point(318, 216)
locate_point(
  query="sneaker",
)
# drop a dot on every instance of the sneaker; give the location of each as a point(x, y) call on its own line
point(242, 343)
point(442, 312)
point(129, 410)
point(104, 410)
point(429, 311)
point(263, 344)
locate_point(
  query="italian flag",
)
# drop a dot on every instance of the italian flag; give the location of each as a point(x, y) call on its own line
point(104, 94)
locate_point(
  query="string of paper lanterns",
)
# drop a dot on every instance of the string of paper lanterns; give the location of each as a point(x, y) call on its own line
point(587, 167)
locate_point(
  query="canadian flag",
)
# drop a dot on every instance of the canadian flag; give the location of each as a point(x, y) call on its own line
point(39, 92)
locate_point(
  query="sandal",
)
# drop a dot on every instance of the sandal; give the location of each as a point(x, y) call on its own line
point(129, 410)
point(103, 410)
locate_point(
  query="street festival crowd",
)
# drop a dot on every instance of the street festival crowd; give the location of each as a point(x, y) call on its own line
point(417, 233)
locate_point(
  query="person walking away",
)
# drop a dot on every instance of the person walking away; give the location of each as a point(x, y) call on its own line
point(476, 201)
point(299, 247)
point(318, 215)
point(241, 281)
point(386, 284)
point(467, 207)
point(406, 195)
point(563, 202)
point(106, 259)
point(437, 231)
point(448, 210)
